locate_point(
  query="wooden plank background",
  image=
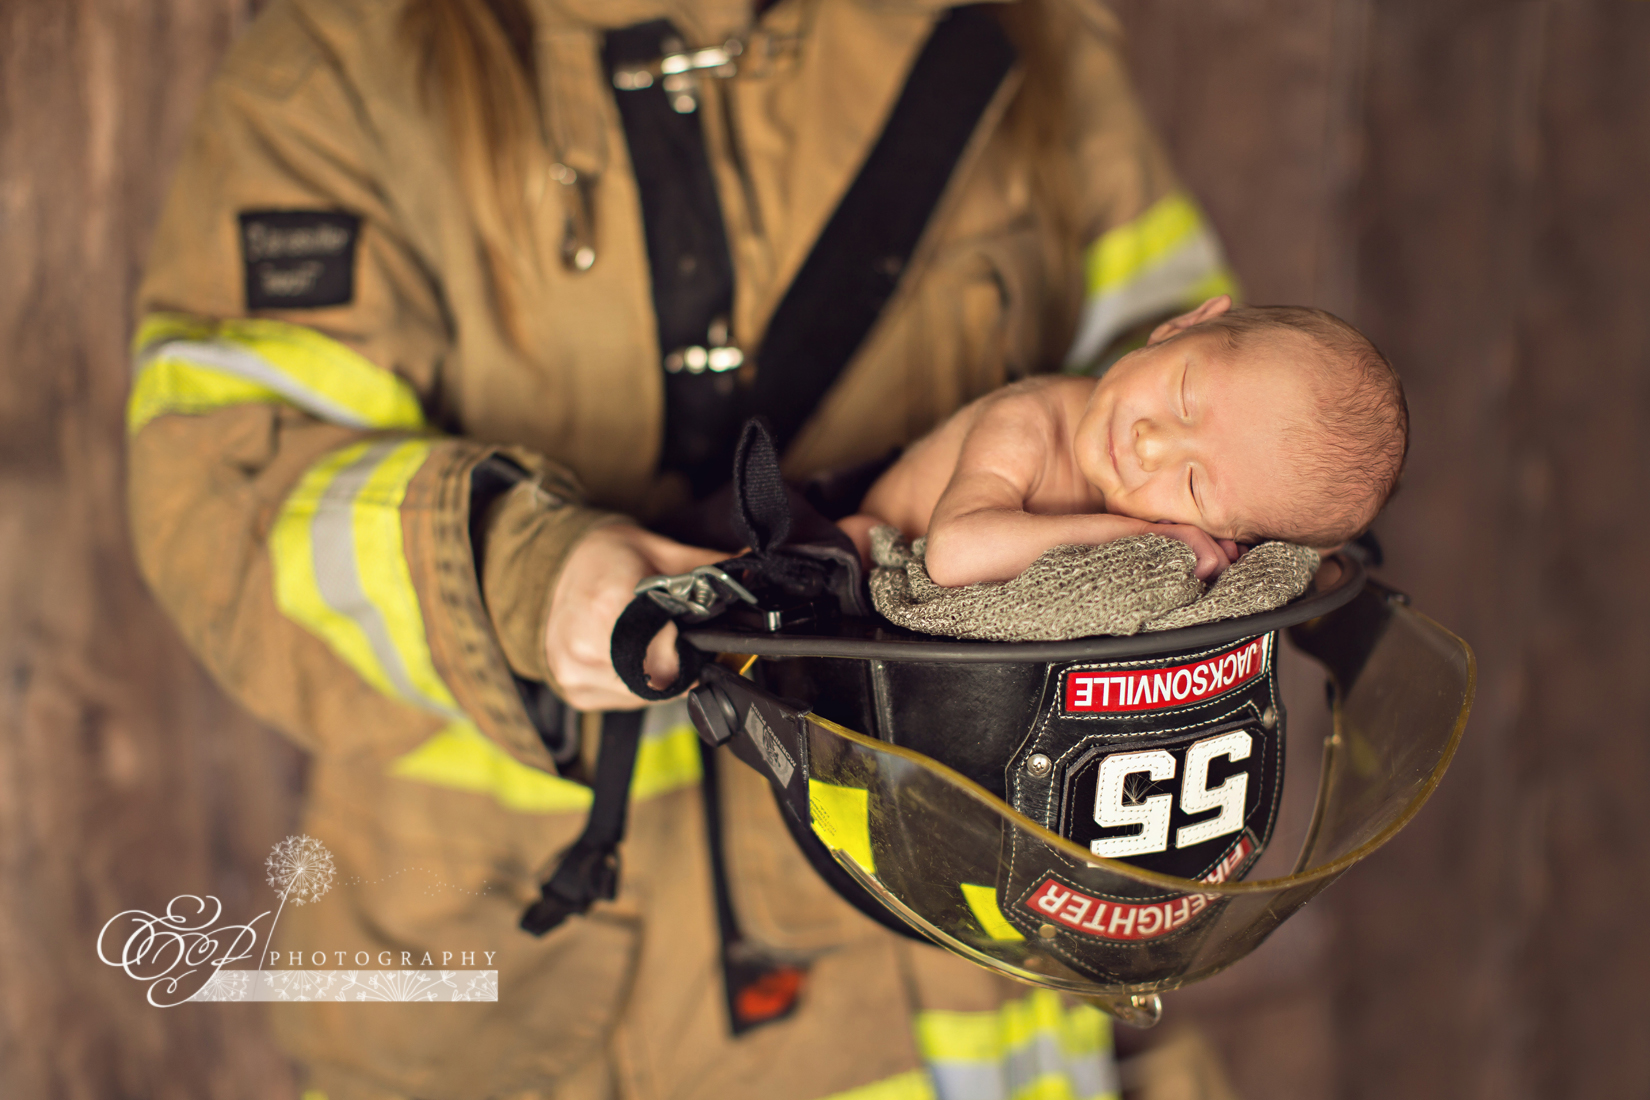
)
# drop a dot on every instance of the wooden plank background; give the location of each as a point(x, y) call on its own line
point(125, 777)
point(1461, 178)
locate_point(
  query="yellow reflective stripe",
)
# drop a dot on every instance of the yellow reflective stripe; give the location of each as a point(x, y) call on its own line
point(293, 558)
point(982, 902)
point(1086, 1030)
point(1165, 259)
point(666, 763)
point(1028, 1049)
point(191, 365)
point(1022, 1020)
point(1122, 253)
point(168, 385)
point(912, 1085)
point(960, 1036)
point(462, 758)
point(341, 572)
point(987, 1036)
point(381, 563)
point(1050, 1086)
point(841, 818)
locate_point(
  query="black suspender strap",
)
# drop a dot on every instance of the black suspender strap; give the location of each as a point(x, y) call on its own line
point(857, 261)
point(590, 868)
point(687, 250)
point(848, 277)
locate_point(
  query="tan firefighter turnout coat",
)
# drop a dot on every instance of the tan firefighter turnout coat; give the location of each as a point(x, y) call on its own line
point(312, 391)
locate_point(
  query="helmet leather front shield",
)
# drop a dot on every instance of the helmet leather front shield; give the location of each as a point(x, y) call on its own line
point(1008, 891)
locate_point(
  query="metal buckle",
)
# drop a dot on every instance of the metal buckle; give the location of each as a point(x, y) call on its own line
point(698, 360)
point(678, 71)
point(717, 355)
point(697, 596)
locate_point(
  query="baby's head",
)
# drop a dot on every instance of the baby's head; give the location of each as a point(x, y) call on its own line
point(1272, 422)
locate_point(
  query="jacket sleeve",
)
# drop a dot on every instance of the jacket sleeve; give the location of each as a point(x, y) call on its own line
point(293, 506)
point(1149, 251)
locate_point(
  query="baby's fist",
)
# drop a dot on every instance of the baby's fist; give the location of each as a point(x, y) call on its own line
point(1213, 555)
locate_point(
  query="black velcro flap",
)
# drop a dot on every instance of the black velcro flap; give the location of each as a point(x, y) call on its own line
point(298, 259)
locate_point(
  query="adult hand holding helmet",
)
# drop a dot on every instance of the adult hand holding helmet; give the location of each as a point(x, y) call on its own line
point(597, 583)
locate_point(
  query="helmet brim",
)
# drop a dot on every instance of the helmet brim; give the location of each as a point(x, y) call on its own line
point(1337, 582)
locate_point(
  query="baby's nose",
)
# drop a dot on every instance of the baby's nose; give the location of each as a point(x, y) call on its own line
point(1153, 445)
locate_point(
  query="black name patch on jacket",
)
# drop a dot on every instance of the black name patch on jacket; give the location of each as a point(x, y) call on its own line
point(298, 259)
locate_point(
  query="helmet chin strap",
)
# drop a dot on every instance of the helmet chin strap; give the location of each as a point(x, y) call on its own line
point(777, 583)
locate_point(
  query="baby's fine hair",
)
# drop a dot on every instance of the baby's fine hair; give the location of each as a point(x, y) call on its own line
point(1351, 458)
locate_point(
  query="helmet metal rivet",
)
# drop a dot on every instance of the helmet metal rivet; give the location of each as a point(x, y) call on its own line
point(1269, 719)
point(1039, 765)
point(1046, 931)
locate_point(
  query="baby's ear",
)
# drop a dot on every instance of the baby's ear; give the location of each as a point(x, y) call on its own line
point(1210, 309)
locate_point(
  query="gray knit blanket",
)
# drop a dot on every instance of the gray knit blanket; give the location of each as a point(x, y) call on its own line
point(1144, 582)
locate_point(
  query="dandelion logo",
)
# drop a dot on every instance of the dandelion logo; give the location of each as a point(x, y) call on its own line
point(300, 868)
point(301, 871)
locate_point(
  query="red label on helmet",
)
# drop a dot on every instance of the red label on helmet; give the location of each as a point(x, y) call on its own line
point(1122, 920)
point(1127, 691)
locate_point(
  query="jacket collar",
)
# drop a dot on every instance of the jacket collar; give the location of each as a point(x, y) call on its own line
point(713, 18)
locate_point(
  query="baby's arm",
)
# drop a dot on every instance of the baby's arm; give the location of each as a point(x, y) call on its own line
point(993, 542)
point(968, 484)
point(905, 494)
point(1014, 452)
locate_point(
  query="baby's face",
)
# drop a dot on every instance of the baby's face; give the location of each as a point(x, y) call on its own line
point(1188, 431)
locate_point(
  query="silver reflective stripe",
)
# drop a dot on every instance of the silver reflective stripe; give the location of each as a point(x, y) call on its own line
point(337, 574)
point(968, 1081)
point(1162, 287)
point(1089, 1074)
point(254, 368)
point(1027, 1063)
point(1093, 1075)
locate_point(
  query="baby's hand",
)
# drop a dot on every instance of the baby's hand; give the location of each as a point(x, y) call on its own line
point(1213, 555)
point(858, 528)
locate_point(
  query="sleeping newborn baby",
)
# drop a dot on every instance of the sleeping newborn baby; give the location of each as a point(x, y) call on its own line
point(1230, 426)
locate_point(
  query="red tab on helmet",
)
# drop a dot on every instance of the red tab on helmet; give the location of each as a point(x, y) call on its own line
point(1130, 690)
point(1122, 920)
